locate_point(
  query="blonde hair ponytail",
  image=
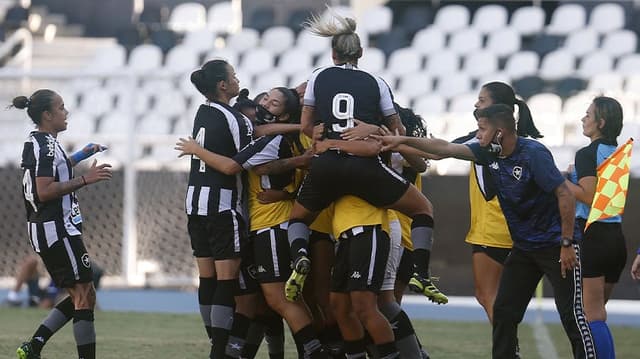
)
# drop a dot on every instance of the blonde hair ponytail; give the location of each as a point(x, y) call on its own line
point(342, 30)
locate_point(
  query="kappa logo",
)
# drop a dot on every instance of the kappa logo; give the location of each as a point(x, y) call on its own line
point(494, 165)
point(356, 275)
point(261, 269)
point(51, 147)
point(85, 260)
point(517, 172)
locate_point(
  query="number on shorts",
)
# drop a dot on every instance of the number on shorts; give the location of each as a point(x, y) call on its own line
point(342, 109)
point(200, 139)
point(27, 187)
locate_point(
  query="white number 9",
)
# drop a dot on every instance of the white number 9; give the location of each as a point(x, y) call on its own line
point(342, 109)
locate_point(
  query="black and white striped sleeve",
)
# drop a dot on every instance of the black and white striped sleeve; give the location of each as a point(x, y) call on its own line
point(263, 150)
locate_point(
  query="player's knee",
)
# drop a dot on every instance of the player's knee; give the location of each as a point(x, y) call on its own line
point(485, 299)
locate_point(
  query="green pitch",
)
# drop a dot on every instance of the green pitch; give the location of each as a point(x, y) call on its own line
point(177, 336)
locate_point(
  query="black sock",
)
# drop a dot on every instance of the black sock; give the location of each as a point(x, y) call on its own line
point(57, 318)
point(309, 342)
point(355, 349)
point(422, 239)
point(298, 235)
point(85, 333)
point(255, 334)
point(274, 334)
point(206, 289)
point(222, 315)
point(237, 335)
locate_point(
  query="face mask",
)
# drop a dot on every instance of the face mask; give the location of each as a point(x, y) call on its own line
point(264, 116)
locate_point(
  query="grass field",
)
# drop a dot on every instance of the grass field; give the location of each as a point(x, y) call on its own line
point(180, 336)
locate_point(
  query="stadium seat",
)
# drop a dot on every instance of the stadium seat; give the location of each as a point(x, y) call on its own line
point(607, 17)
point(144, 59)
point(431, 104)
point(463, 103)
point(277, 39)
point(243, 40)
point(629, 64)
point(556, 65)
point(568, 86)
point(503, 42)
point(181, 60)
point(220, 17)
point(528, 86)
point(155, 123)
point(545, 103)
point(453, 85)
point(528, 20)
point(297, 18)
point(631, 85)
point(200, 41)
point(165, 39)
point(390, 41)
point(262, 18)
point(610, 81)
point(581, 42)
point(188, 17)
point(323, 60)
point(415, 84)
point(108, 60)
point(298, 78)
point(520, 64)
point(81, 125)
point(415, 17)
point(313, 44)
point(619, 43)
point(293, 61)
point(227, 53)
point(567, 18)
point(377, 19)
point(465, 41)
point(404, 61)
point(451, 18)
point(442, 64)
point(543, 44)
point(256, 61)
point(480, 63)
point(429, 40)
point(595, 63)
point(372, 60)
point(170, 103)
point(116, 123)
point(97, 102)
point(268, 80)
point(491, 77)
point(489, 18)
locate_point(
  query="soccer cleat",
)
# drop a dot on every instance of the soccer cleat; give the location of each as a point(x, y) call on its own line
point(295, 283)
point(25, 351)
point(426, 287)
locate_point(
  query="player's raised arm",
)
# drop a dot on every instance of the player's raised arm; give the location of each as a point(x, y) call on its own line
point(435, 146)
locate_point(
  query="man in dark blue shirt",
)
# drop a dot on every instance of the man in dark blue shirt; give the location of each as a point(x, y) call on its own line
point(539, 208)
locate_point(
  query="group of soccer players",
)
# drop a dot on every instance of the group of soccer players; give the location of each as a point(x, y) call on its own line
point(305, 205)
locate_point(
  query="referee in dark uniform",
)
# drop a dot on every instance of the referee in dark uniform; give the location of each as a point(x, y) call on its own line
point(539, 209)
point(215, 208)
point(54, 220)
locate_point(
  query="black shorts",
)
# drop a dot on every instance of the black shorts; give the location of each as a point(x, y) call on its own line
point(604, 251)
point(247, 282)
point(272, 255)
point(219, 236)
point(405, 269)
point(68, 262)
point(361, 260)
point(496, 253)
point(333, 175)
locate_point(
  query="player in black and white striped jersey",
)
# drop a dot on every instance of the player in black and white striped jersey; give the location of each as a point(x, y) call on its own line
point(215, 208)
point(54, 220)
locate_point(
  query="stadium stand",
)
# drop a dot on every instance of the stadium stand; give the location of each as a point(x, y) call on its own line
point(435, 58)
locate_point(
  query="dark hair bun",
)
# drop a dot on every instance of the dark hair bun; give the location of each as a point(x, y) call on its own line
point(244, 94)
point(20, 102)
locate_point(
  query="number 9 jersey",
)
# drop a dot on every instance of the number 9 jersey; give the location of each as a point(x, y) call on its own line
point(343, 93)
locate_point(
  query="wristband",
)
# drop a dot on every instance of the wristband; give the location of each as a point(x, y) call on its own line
point(84, 180)
point(86, 152)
